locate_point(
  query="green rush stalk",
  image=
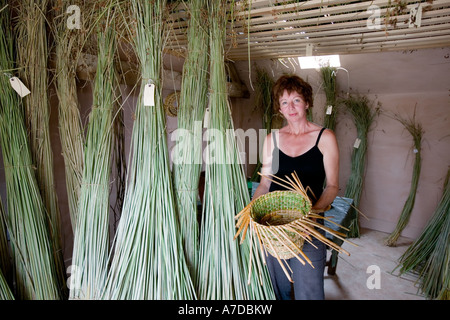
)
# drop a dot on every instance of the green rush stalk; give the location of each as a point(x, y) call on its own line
point(32, 55)
point(416, 131)
point(435, 276)
point(329, 86)
point(148, 260)
point(5, 251)
point(429, 254)
point(223, 264)
point(67, 49)
point(193, 102)
point(5, 291)
point(91, 237)
point(263, 101)
point(36, 273)
point(363, 116)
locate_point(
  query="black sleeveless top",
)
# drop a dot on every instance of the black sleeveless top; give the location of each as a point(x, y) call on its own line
point(308, 166)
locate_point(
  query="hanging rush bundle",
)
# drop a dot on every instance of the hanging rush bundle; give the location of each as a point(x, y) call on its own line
point(148, 261)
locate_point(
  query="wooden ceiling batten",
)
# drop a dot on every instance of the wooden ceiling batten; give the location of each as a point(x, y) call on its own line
point(278, 29)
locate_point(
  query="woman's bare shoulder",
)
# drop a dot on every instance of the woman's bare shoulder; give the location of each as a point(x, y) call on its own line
point(328, 139)
point(329, 134)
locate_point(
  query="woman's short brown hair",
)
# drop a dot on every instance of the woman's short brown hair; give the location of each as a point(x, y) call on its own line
point(291, 83)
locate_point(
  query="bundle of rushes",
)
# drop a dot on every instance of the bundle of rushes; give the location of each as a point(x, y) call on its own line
point(192, 106)
point(264, 84)
point(415, 129)
point(329, 86)
point(5, 252)
point(36, 274)
point(6, 281)
point(263, 101)
point(363, 115)
point(32, 56)
point(429, 255)
point(119, 164)
point(222, 262)
point(67, 49)
point(5, 290)
point(282, 221)
point(6, 276)
point(91, 236)
point(148, 260)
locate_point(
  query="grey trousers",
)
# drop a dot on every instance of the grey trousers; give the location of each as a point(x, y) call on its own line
point(308, 282)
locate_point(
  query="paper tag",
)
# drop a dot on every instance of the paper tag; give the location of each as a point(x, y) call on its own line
point(206, 119)
point(329, 109)
point(415, 17)
point(357, 143)
point(149, 95)
point(19, 87)
point(415, 150)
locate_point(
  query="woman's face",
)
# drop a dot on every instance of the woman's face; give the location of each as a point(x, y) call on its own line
point(292, 106)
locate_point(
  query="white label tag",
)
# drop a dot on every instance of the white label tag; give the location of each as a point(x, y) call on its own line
point(149, 95)
point(206, 119)
point(415, 150)
point(329, 109)
point(415, 17)
point(357, 143)
point(19, 87)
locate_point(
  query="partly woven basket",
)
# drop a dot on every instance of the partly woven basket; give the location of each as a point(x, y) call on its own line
point(171, 104)
point(281, 221)
point(280, 210)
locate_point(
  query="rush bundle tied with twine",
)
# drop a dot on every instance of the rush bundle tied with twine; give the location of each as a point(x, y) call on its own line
point(283, 221)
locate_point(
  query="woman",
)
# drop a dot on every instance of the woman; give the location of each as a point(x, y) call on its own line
point(311, 151)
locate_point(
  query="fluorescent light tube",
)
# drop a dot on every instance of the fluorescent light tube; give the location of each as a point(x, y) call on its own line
point(317, 62)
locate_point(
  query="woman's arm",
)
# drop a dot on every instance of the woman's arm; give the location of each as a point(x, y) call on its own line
point(329, 147)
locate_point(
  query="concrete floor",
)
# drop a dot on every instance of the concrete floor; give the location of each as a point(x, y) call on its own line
point(355, 274)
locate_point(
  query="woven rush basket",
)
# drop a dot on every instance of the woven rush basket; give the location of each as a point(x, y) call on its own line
point(279, 209)
point(171, 104)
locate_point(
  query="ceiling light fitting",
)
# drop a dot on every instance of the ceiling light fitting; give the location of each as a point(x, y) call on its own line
point(317, 62)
